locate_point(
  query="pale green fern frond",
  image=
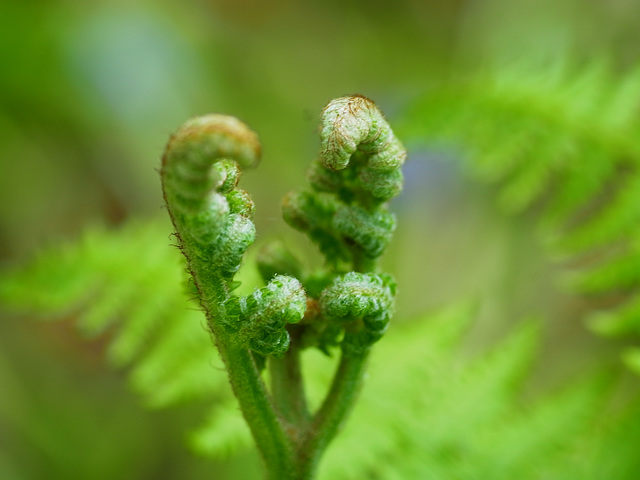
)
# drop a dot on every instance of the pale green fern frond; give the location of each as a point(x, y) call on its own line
point(223, 433)
point(527, 126)
point(126, 284)
point(464, 419)
point(567, 140)
point(427, 410)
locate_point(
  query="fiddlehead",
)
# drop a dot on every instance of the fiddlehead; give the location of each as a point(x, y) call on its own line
point(345, 212)
point(346, 304)
point(200, 173)
point(363, 303)
point(354, 131)
point(357, 172)
point(214, 227)
point(259, 319)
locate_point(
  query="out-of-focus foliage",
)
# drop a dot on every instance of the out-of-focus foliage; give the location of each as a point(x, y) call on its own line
point(450, 414)
point(567, 140)
point(464, 418)
point(118, 284)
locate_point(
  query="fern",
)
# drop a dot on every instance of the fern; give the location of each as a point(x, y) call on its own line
point(564, 139)
point(461, 419)
point(345, 211)
point(451, 416)
point(344, 306)
point(451, 413)
point(123, 284)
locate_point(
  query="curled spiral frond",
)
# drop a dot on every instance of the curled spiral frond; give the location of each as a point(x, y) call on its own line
point(365, 300)
point(259, 319)
point(214, 226)
point(344, 213)
point(200, 173)
point(354, 124)
point(357, 172)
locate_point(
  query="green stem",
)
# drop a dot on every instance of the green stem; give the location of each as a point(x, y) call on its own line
point(258, 410)
point(269, 433)
point(333, 412)
point(287, 387)
point(361, 262)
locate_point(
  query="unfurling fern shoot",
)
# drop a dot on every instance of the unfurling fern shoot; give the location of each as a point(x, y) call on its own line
point(346, 305)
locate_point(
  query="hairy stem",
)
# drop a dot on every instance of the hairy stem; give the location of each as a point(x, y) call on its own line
point(287, 387)
point(258, 410)
point(345, 214)
point(255, 403)
point(362, 262)
point(331, 415)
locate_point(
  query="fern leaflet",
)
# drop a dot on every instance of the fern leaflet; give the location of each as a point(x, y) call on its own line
point(564, 139)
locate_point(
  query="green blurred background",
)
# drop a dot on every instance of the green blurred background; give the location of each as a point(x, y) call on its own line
point(90, 91)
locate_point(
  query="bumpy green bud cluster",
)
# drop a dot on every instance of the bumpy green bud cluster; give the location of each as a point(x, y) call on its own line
point(357, 172)
point(363, 300)
point(213, 220)
point(313, 214)
point(371, 231)
point(344, 213)
point(200, 173)
point(353, 125)
point(259, 320)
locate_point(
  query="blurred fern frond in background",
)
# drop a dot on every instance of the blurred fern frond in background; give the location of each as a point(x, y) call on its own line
point(428, 411)
point(465, 418)
point(563, 140)
point(126, 284)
